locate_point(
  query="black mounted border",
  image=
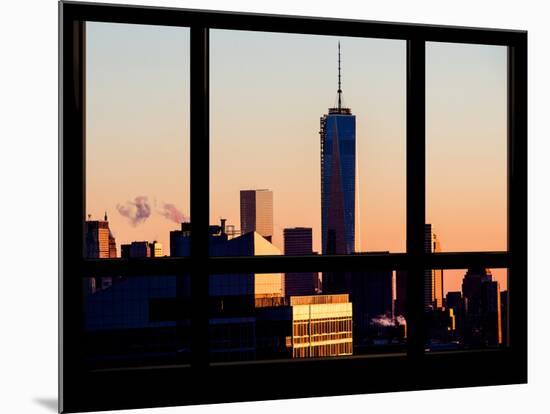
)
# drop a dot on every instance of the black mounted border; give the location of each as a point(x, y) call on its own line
point(201, 382)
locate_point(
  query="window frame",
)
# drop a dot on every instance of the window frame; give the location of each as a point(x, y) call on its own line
point(203, 382)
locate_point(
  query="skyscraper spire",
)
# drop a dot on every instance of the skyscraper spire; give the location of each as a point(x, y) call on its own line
point(339, 81)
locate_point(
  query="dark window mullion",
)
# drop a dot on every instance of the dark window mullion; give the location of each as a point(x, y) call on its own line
point(72, 206)
point(416, 191)
point(517, 198)
point(199, 193)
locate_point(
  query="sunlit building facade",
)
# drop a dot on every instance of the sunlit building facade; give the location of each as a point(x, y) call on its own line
point(321, 326)
point(305, 327)
point(155, 249)
point(257, 212)
point(99, 241)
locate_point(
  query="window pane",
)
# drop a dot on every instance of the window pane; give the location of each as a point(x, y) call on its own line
point(253, 317)
point(136, 321)
point(291, 157)
point(474, 310)
point(137, 138)
point(466, 133)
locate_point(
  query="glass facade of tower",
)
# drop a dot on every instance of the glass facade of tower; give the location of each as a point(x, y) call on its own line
point(338, 173)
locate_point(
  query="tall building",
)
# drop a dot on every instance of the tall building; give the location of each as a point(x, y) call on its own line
point(455, 301)
point(433, 298)
point(482, 320)
point(371, 293)
point(338, 177)
point(433, 287)
point(400, 307)
point(504, 316)
point(491, 310)
point(298, 241)
point(257, 212)
point(100, 242)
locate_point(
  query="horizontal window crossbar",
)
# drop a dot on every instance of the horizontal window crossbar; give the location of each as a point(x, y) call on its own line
point(270, 264)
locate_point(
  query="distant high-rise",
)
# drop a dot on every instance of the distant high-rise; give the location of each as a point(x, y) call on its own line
point(371, 293)
point(433, 288)
point(433, 293)
point(482, 325)
point(100, 242)
point(298, 241)
point(338, 177)
point(504, 316)
point(257, 212)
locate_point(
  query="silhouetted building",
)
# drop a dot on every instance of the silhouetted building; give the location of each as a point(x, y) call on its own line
point(504, 316)
point(400, 307)
point(482, 324)
point(298, 241)
point(454, 301)
point(125, 251)
point(180, 241)
point(371, 293)
point(257, 212)
point(141, 249)
point(433, 279)
point(441, 326)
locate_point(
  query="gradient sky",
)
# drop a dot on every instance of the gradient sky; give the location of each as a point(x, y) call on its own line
point(268, 92)
point(137, 126)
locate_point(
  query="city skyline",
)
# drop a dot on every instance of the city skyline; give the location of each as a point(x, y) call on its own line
point(126, 133)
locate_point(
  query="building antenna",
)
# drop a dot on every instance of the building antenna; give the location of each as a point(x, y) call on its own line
point(339, 81)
